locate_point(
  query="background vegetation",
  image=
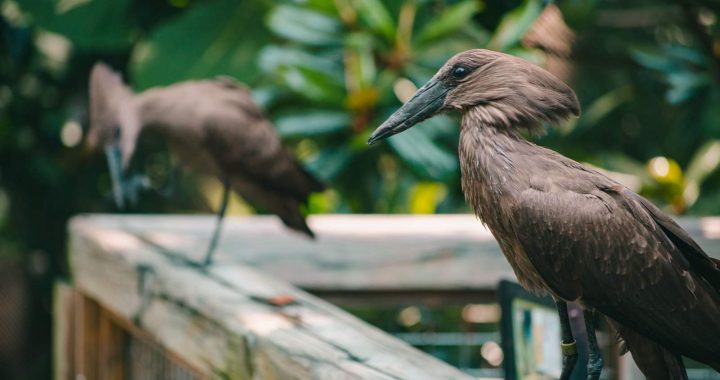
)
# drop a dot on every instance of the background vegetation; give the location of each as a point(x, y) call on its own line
point(328, 71)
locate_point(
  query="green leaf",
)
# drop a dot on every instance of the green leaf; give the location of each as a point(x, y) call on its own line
point(97, 24)
point(426, 158)
point(684, 84)
point(435, 53)
point(313, 85)
point(362, 63)
point(686, 54)
point(375, 15)
point(273, 58)
point(307, 123)
point(605, 104)
point(514, 25)
point(450, 20)
point(705, 161)
point(710, 117)
point(329, 162)
point(621, 163)
point(306, 26)
point(215, 45)
point(654, 59)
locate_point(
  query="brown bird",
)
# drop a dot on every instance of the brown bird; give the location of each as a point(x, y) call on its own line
point(566, 229)
point(212, 126)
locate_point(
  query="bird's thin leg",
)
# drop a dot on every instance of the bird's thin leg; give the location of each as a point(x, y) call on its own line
point(567, 345)
point(173, 178)
point(218, 224)
point(595, 360)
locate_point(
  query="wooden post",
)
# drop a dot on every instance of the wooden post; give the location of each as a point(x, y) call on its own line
point(63, 330)
point(229, 321)
point(111, 342)
point(138, 293)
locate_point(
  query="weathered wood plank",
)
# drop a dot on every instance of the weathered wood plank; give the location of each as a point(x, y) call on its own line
point(111, 342)
point(222, 321)
point(357, 252)
point(86, 325)
point(63, 333)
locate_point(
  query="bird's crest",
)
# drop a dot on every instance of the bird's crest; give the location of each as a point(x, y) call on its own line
point(509, 92)
point(107, 93)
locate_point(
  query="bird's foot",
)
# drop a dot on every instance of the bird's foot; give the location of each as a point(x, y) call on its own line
point(145, 292)
point(570, 357)
point(595, 360)
point(134, 185)
point(594, 367)
point(207, 261)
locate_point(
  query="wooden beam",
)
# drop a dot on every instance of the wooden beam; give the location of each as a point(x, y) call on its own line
point(63, 331)
point(231, 320)
point(384, 253)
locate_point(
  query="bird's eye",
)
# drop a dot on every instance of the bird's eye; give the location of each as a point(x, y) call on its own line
point(116, 132)
point(460, 71)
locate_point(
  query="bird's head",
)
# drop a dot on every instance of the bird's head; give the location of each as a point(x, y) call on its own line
point(114, 123)
point(505, 90)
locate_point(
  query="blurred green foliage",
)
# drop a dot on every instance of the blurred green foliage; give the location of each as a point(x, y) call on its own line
point(328, 72)
point(341, 67)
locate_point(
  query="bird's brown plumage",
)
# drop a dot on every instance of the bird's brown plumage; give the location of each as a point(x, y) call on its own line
point(566, 229)
point(213, 126)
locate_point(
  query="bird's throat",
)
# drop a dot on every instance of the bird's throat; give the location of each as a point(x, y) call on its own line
point(487, 161)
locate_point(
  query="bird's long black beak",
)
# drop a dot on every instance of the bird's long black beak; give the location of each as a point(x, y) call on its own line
point(426, 102)
point(113, 154)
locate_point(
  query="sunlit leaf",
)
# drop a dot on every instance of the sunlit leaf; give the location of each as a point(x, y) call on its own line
point(312, 123)
point(705, 161)
point(214, 47)
point(654, 59)
point(684, 85)
point(360, 60)
point(605, 104)
point(515, 24)
point(303, 25)
point(329, 162)
point(376, 16)
point(98, 24)
point(313, 85)
point(686, 54)
point(423, 156)
point(436, 52)
point(450, 20)
point(274, 57)
point(425, 196)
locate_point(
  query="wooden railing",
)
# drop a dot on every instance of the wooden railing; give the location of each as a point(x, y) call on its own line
point(138, 306)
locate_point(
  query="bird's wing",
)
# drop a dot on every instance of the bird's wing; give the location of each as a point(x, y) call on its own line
point(705, 265)
point(594, 239)
point(245, 143)
point(603, 247)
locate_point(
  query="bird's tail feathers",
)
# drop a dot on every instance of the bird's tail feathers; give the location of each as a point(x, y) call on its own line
point(293, 217)
point(655, 362)
point(314, 183)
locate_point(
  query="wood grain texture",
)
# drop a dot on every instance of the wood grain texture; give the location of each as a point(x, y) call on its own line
point(222, 321)
point(63, 332)
point(356, 252)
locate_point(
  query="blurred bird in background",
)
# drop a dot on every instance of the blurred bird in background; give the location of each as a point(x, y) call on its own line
point(212, 126)
point(569, 230)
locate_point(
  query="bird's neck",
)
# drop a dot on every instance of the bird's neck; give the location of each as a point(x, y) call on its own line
point(153, 108)
point(488, 157)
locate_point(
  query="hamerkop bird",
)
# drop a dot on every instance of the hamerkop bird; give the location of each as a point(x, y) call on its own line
point(566, 229)
point(214, 127)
